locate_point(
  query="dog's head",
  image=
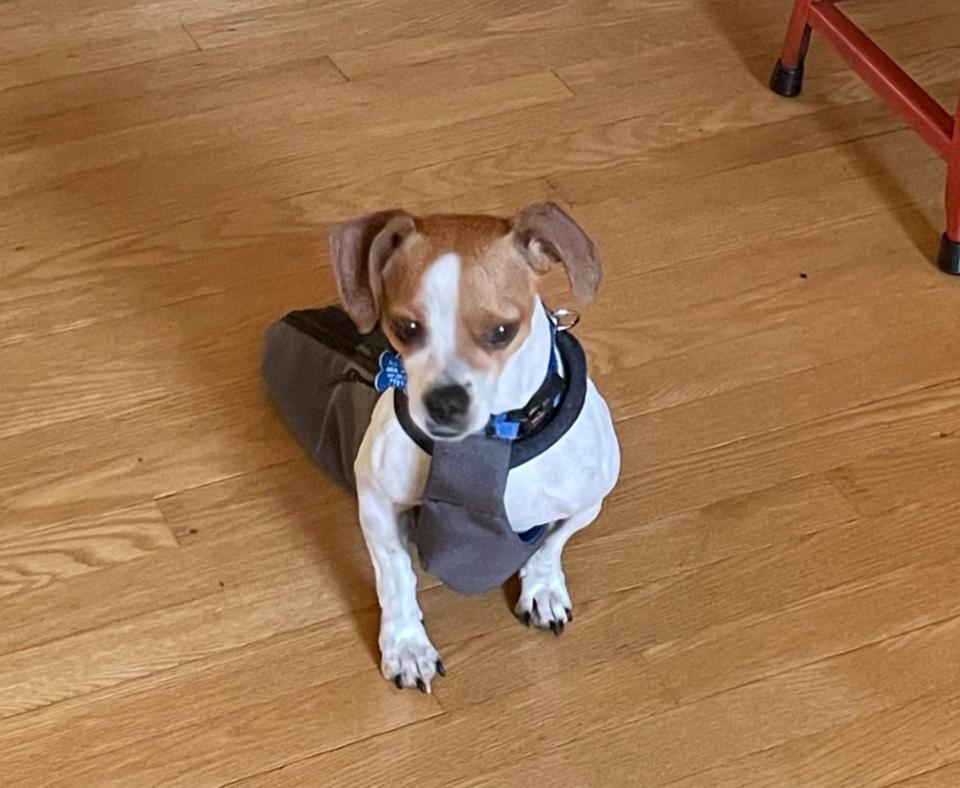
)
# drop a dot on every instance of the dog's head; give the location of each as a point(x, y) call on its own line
point(456, 296)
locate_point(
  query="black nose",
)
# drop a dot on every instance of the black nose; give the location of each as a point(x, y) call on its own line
point(447, 406)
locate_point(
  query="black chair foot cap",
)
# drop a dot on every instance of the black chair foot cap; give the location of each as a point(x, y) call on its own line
point(949, 258)
point(787, 82)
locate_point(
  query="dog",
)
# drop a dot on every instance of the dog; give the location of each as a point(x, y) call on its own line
point(458, 297)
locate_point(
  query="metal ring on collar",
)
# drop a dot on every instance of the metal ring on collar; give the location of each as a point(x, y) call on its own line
point(565, 319)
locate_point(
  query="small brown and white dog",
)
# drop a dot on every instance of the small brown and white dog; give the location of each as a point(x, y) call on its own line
point(458, 297)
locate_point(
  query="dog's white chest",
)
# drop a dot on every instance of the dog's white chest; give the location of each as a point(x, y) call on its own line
point(577, 472)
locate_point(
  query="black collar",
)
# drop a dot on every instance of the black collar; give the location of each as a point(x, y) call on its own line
point(525, 421)
point(543, 420)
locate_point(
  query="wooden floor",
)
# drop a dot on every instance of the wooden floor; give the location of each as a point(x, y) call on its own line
point(772, 595)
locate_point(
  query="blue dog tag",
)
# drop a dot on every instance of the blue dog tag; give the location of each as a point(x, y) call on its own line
point(392, 375)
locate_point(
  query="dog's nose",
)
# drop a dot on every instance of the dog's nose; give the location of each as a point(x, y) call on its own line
point(447, 406)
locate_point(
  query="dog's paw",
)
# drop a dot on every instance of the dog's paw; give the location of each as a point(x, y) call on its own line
point(545, 603)
point(410, 660)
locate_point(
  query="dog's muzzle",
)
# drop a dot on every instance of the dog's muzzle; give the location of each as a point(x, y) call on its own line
point(448, 410)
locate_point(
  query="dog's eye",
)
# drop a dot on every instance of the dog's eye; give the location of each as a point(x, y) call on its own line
point(501, 336)
point(407, 331)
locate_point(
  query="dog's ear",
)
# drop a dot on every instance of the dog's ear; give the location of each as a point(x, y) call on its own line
point(547, 236)
point(359, 250)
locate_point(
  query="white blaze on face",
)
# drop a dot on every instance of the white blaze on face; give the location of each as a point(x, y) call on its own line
point(441, 299)
point(437, 363)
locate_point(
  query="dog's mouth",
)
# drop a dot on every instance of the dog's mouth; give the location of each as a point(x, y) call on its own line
point(442, 433)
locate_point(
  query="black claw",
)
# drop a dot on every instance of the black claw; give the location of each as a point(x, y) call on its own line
point(569, 615)
point(398, 681)
point(535, 606)
point(555, 628)
point(421, 686)
point(526, 618)
point(441, 671)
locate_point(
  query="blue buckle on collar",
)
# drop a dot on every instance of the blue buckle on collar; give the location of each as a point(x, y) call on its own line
point(501, 426)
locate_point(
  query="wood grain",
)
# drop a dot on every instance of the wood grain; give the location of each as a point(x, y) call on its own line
point(101, 739)
point(770, 597)
point(61, 551)
point(822, 705)
point(598, 699)
point(36, 58)
point(934, 778)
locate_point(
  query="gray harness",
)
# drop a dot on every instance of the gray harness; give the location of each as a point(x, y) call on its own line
point(321, 372)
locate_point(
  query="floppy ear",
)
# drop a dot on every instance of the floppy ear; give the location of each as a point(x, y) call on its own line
point(359, 249)
point(548, 236)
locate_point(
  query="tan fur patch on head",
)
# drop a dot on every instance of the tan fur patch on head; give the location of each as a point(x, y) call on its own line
point(497, 284)
point(497, 287)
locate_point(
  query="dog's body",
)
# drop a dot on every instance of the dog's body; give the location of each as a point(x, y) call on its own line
point(458, 296)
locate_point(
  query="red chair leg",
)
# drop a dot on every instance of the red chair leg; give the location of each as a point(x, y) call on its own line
point(787, 79)
point(950, 243)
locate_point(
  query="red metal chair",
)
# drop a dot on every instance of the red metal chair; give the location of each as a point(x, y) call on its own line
point(892, 83)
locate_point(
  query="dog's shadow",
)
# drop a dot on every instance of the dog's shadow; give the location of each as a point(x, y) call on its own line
point(325, 517)
point(511, 592)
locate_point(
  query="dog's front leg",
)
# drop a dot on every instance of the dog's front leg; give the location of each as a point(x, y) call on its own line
point(544, 599)
point(408, 658)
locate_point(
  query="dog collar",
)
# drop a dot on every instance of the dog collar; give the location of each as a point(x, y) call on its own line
point(540, 426)
point(514, 424)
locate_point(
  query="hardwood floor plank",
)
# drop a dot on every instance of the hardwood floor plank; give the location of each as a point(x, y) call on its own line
point(942, 777)
point(601, 696)
point(76, 108)
point(640, 748)
point(826, 697)
point(778, 196)
point(670, 423)
point(885, 746)
point(110, 201)
point(35, 558)
point(857, 610)
point(770, 458)
point(838, 587)
point(166, 638)
point(274, 514)
point(876, 16)
point(547, 47)
point(918, 474)
point(347, 25)
point(95, 51)
point(195, 439)
point(389, 114)
point(61, 19)
point(130, 368)
point(217, 720)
